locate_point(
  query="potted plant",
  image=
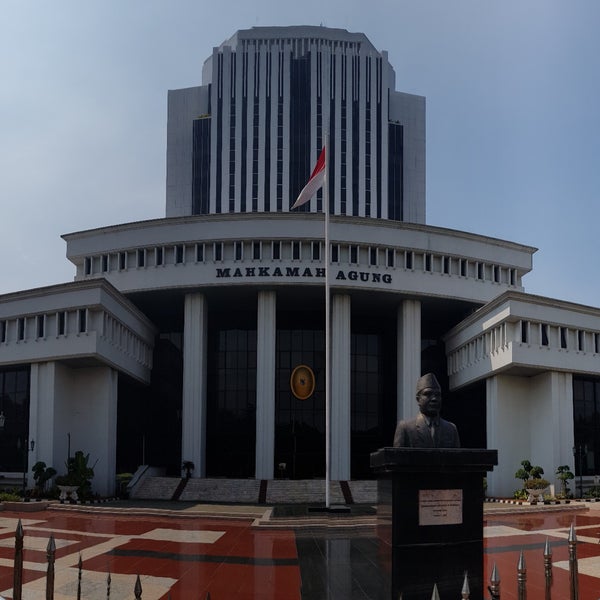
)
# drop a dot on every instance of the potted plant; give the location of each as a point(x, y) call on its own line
point(77, 482)
point(188, 466)
point(565, 474)
point(42, 474)
point(533, 483)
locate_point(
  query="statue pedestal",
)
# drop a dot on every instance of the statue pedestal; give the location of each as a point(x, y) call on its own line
point(430, 512)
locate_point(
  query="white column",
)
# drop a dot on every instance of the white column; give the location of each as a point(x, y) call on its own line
point(193, 435)
point(409, 357)
point(340, 387)
point(265, 384)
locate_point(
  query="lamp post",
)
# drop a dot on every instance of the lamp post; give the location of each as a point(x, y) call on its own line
point(578, 456)
point(26, 449)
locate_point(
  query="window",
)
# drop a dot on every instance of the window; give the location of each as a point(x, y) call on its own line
point(82, 320)
point(353, 255)
point(428, 262)
point(544, 334)
point(463, 267)
point(580, 341)
point(335, 253)
point(40, 322)
point(62, 323)
point(21, 328)
point(87, 265)
point(408, 260)
point(563, 337)
point(141, 258)
point(104, 263)
point(496, 274)
point(238, 250)
point(179, 254)
point(446, 265)
point(513, 278)
point(525, 332)
point(199, 252)
point(373, 256)
point(218, 251)
point(390, 257)
point(316, 251)
point(295, 250)
point(3, 331)
point(122, 260)
point(159, 256)
point(256, 250)
point(276, 251)
point(480, 271)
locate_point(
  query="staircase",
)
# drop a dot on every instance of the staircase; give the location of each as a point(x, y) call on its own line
point(253, 491)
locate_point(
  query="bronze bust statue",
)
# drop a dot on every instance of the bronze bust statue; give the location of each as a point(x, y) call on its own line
point(428, 429)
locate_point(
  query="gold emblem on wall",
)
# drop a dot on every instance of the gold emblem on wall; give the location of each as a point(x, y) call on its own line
point(302, 382)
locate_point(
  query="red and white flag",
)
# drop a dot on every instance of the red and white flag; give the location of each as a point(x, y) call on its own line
point(314, 183)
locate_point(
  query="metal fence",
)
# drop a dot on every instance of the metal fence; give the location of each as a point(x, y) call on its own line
point(50, 558)
point(494, 583)
point(493, 588)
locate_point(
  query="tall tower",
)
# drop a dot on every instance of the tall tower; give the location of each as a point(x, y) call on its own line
point(247, 138)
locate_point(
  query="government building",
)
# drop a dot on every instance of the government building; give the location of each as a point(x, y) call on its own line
point(180, 338)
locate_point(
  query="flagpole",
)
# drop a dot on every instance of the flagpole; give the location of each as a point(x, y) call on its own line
point(327, 328)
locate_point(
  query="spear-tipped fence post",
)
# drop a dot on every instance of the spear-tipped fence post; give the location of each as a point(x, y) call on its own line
point(79, 573)
point(548, 569)
point(18, 563)
point(522, 577)
point(573, 575)
point(108, 581)
point(137, 590)
point(435, 595)
point(465, 593)
point(494, 587)
point(50, 557)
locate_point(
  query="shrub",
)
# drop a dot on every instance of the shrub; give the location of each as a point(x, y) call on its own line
point(9, 497)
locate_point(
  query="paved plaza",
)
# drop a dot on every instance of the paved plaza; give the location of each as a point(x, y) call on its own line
point(239, 552)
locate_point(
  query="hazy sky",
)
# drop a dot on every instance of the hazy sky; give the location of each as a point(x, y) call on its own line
point(513, 117)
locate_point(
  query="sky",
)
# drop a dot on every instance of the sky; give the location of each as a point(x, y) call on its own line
point(513, 117)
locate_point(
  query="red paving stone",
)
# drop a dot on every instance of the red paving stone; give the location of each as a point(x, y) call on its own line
point(247, 563)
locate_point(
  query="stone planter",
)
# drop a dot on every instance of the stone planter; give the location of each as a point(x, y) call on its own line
point(68, 492)
point(536, 494)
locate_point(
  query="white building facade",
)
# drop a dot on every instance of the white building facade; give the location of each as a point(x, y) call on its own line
point(178, 338)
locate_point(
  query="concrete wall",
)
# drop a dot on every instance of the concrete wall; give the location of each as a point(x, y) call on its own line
point(82, 403)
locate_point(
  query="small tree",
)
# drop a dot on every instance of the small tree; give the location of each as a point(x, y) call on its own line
point(41, 475)
point(528, 471)
point(564, 474)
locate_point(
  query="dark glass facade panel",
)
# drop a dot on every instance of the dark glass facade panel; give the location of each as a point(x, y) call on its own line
point(586, 418)
point(201, 167)
point(300, 424)
point(14, 403)
point(395, 173)
point(231, 409)
point(300, 93)
point(149, 418)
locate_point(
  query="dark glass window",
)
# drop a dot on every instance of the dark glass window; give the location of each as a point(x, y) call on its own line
point(395, 173)
point(525, 332)
point(21, 328)
point(238, 249)
point(463, 267)
point(40, 325)
point(88, 265)
point(335, 253)
point(199, 252)
point(353, 255)
point(14, 404)
point(179, 253)
point(316, 251)
point(428, 262)
point(563, 337)
point(122, 260)
point(390, 257)
point(159, 256)
point(480, 271)
point(447, 265)
point(82, 319)
point(62, 323)
point(295, 250)
point(580, 341)
point(218, 251)
point(373, 256)
point(231, 416)
point(256, 250)
point(3, 331)
point(141, 258)
point(201, 166)
point(408, 259)
point(586, 415)
point(276, 250)
point(104, 263)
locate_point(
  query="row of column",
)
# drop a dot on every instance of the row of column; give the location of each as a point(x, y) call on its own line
point(195, 379)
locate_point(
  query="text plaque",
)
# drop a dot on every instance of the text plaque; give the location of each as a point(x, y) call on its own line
point(440, 507)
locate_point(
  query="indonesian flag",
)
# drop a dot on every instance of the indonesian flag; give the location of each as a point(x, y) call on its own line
point(314, 183)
